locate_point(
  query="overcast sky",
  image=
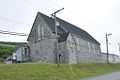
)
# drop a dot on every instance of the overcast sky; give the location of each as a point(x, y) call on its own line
point(97, 17)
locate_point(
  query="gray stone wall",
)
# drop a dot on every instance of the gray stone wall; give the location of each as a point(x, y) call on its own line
point(103, 57)
point(63, 51)
point(39, 31)
point(42, 42)
point(81, 50)
point(74, 50)
point(25, 54)
point(89, 58)
point(43, 51)
point(113, 58)
point(21, 54)
point(71, 49)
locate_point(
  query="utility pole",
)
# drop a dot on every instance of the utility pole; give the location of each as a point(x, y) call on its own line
point(107, 46)
point(119, 47)
point(56, 24)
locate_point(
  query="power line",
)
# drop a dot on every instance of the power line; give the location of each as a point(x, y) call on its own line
point(47, 2)
point(37, 5)
point(13, 33)
point(53, 3)
point(14, 21)
point(68, 10)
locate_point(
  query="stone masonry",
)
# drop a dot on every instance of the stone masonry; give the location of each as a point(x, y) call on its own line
point(72, 48)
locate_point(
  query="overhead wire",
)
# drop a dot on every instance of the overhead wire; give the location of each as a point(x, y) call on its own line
point(38, 6)
point(69, 11)
point(53, 3)
point(19, 22)
point(13, 33)
point(14, 21)
point(72, 13)
point(11, 20)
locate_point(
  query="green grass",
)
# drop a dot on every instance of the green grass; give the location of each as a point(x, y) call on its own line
point(39, 71)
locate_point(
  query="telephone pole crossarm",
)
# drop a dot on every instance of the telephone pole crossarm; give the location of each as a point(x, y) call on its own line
point(58, 11)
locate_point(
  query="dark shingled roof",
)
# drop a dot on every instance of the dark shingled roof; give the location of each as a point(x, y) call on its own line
point(68, 27)
point(63, 37)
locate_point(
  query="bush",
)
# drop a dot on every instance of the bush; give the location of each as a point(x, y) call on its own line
point(1, 60)
point(6, 51)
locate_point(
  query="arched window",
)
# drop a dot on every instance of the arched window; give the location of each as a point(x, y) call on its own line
point(40, 31)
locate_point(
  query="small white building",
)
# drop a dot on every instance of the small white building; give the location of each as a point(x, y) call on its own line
point(8, 62)
point(104, 57)
point(113, 58)
point(21, 54)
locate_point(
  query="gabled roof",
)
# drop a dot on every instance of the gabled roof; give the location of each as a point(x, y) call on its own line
point(63, 25)
point(63, 37)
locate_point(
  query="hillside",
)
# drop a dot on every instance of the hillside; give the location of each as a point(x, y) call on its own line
point(13, 43)
point(39, 71)
point(6, 49)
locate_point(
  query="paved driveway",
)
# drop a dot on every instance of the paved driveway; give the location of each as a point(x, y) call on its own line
point(110, 76)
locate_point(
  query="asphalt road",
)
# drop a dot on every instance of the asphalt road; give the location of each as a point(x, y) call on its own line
point(110, 76)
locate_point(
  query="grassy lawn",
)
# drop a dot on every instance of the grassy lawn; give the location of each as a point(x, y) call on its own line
point(39, 71)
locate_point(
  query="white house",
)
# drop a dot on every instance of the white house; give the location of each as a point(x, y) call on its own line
point(21, 54)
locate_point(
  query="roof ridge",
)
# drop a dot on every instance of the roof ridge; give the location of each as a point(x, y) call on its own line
point(60, 19)
point(69, 23)
point(69, 27)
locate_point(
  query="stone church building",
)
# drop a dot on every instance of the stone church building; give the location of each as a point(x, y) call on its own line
point(74, 45)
